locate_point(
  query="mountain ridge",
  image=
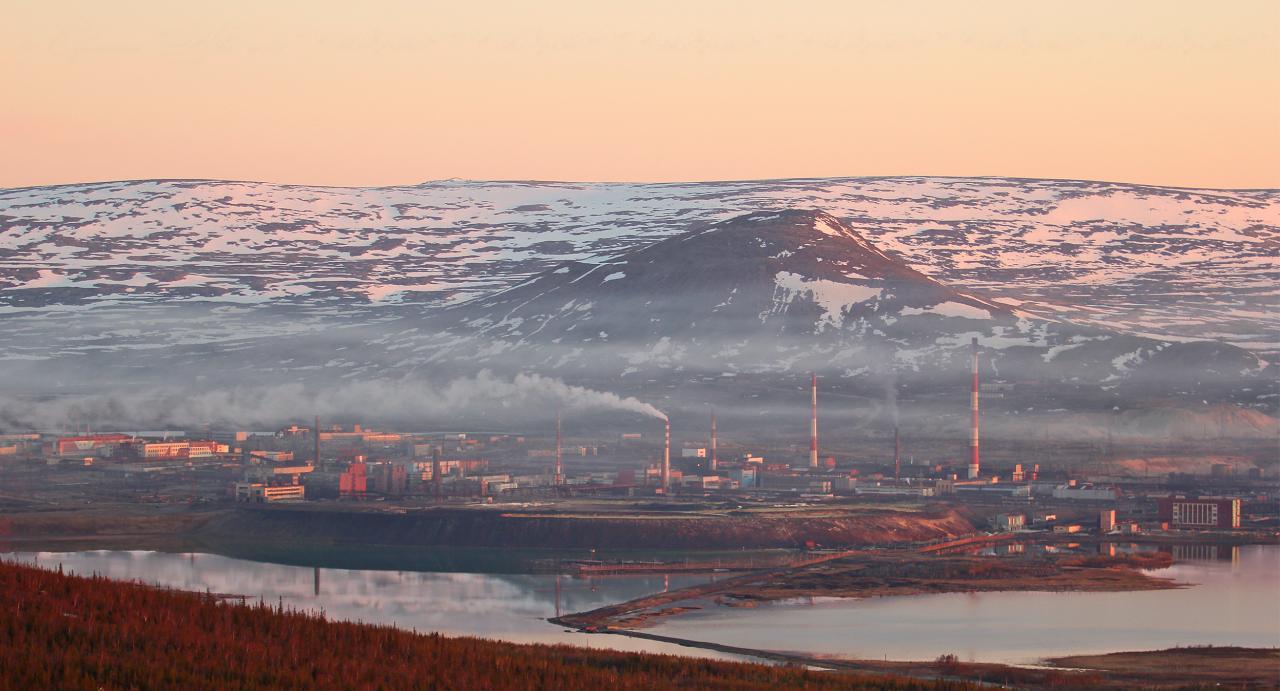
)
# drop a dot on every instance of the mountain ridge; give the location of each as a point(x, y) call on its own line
point(267, 281)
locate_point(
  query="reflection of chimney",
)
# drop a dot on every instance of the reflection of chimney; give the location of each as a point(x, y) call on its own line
point(975, 466)
point(897, 456)
point(813, 427)
point(666, 457)
point(713, 442)
point(559, 479)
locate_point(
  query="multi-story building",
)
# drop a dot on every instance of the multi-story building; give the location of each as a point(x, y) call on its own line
point(1106, 521)
point(1201, 512)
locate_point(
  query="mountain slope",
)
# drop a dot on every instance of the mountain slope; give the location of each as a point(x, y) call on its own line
point(732, 314)
point(785, 292)
point(136, 265)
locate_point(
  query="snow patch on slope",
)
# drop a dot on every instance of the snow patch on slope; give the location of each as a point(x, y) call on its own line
point(833, 297)
point(950, 309)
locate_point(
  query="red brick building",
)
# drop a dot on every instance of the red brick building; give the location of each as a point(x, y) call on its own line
point(1201, 512)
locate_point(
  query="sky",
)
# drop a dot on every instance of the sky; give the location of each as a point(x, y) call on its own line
point(400, 92)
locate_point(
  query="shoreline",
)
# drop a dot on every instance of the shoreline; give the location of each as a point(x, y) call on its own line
point(860, 574)
point(1122, 667)
point(1218, 665)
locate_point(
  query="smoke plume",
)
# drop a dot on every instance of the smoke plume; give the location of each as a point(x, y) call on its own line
point(484, 396)
point(891, 398)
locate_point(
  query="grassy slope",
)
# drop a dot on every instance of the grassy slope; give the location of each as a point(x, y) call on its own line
point(60, 631)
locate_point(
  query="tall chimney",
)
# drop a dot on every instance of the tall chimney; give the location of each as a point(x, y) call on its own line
point(897, 456)
point(975, 466)
point(559, 479)
point(714, 460)
point(813, 427)
point(435, 471)
point(666, 457)
point(317, 431)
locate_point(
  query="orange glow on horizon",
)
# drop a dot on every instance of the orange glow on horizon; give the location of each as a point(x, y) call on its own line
point(398, 92)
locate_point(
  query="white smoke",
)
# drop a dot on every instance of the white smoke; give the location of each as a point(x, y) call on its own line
point(891, 398)
point(524, 396)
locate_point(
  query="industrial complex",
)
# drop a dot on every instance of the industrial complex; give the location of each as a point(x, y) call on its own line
point(327, 463)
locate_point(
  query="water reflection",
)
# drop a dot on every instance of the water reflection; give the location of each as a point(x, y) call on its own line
point(1179, 552)
point(1235, 601)
point(510, 607)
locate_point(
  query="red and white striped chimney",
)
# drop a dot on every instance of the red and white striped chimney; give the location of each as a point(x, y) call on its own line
point(666, 457)
point(559, 479)
point(813, 428)
point(975, 466)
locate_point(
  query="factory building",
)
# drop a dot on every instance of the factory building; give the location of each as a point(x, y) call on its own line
point(92, 444)
point(262, 492)
point(359, 434)
point(745, 477)
point(167, 450)
point(882, 490)
point(353, 483)
point(389, 479)
point(228, 437)
point(788, 481)
point(1009, 522)
point(708, 482)
point(984, 489)
point(269, 483)
point(273, 456)
point(1086, 492)
point(1203, 512)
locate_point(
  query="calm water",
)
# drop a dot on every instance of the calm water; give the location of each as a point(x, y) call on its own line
point(502, 606)
point(1235, 601)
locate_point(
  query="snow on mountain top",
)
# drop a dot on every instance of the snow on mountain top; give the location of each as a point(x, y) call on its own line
point(1168, 261)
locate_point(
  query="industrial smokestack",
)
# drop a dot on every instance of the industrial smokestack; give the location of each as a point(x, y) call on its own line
point(714, 460)
point(975, 466)
point(897, 456)
point(559, 479)
point(666, 457)
point(813, 428)
point(317, 431)
point(435, 471)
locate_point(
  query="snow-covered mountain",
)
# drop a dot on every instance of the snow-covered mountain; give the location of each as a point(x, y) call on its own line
point(1087, 297)
point(780, 292)
point(107, 267)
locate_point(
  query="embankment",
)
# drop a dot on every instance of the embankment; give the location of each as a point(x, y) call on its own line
point(489, 528)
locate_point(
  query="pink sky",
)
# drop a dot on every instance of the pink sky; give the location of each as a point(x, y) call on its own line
point(344, 93)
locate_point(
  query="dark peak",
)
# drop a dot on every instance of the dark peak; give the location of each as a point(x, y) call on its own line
point(801, 234)
point(803, 220)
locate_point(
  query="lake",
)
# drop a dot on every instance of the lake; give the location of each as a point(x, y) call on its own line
point(1234, 600)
